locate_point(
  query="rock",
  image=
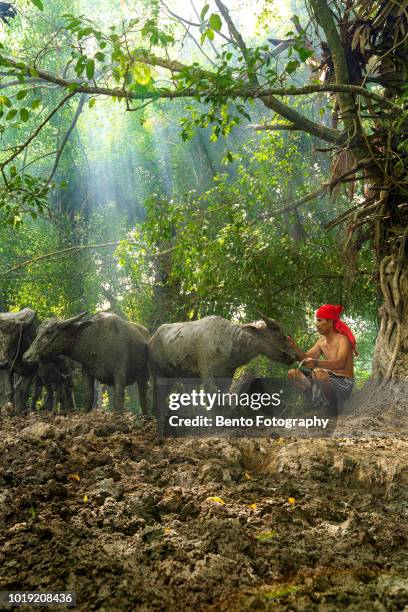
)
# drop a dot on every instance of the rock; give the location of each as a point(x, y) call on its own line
point(7, 409)
point(37, 431)
point(144, 504)
point(173, 500)
point(152, 533)
point(214, 471)
point(106, 488)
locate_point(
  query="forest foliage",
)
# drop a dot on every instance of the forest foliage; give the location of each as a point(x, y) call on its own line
point(161, 208)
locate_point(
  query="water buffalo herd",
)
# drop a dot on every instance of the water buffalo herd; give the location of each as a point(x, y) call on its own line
point(118, 353)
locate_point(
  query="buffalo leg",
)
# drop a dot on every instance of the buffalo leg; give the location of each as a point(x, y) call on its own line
point(67, 398)
point(142, 383)
point(160, 392)
point(6, 383)
point(21, 392)
point(89, 391)
point(119, 394)
point(48, 403)
point(155, 398)
point(36, 392)
point(111, 399)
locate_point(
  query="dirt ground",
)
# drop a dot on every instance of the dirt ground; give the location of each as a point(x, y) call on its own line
point(95, 503)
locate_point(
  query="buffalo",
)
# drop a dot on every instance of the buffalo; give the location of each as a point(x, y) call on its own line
point(17, 331)
point(212, 348)
point(110, 350)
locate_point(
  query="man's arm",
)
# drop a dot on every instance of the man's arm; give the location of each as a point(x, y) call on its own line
point(339, 363)
point(314, 352)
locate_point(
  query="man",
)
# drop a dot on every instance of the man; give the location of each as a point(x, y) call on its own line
point(332, 378)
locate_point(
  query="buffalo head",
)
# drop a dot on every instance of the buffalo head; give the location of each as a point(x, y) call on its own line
point(270, 340)
point(12, 327)
point(52, 338)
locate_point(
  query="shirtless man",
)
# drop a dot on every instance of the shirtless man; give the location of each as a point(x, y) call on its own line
point(334, 373)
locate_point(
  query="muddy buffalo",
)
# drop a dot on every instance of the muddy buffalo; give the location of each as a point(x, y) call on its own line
point(109, 349)
point(17, 332)
point(214, 348)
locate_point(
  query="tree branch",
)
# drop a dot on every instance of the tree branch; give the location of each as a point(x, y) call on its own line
point(73, 249)
point(277, 127)
point(36, 131)
point(300, 121)
point(310, 196)
point(324, 187)
point(176, 66)
point(191, 23)
point(66, 137)
point(331, 88)
point(235, 35)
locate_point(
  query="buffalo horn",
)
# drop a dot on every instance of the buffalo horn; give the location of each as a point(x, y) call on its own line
point(68, 322)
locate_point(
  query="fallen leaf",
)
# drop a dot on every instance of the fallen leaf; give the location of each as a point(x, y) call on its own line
point(266, 536)
point(216, 500)
point(86, 498)
point(248, 476)
point(74, 477)
point(169, 531)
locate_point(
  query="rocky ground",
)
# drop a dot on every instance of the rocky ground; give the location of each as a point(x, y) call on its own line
point(96, 503)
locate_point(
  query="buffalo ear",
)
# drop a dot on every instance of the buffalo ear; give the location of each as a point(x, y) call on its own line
point(250, 327)
point(270, 323)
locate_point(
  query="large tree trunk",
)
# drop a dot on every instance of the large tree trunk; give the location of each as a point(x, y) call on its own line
point(391, 351)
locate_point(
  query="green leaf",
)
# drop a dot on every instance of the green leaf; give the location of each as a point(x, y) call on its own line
point(215, 22)
point(12, 113)
point(24, 114)
point(291, 66)
point(100, 56)
point(141, 74)
point(304, 53)
point(21, 94)
point(90, 68)
point(5, 100)
point(204, 11)
point(84, 32)
point(72, 86)
point(92, 102)
point(35, 104)
point(80, 65)
point(210, 34)
point(38, 4)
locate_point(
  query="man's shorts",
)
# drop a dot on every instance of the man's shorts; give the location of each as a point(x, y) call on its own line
point(342, 386)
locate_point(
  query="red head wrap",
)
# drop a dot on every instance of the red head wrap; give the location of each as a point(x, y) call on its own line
point(329, 311)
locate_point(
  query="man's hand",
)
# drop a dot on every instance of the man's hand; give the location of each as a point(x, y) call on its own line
point(310, 363)
point(292, 342)
point(295, 347)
